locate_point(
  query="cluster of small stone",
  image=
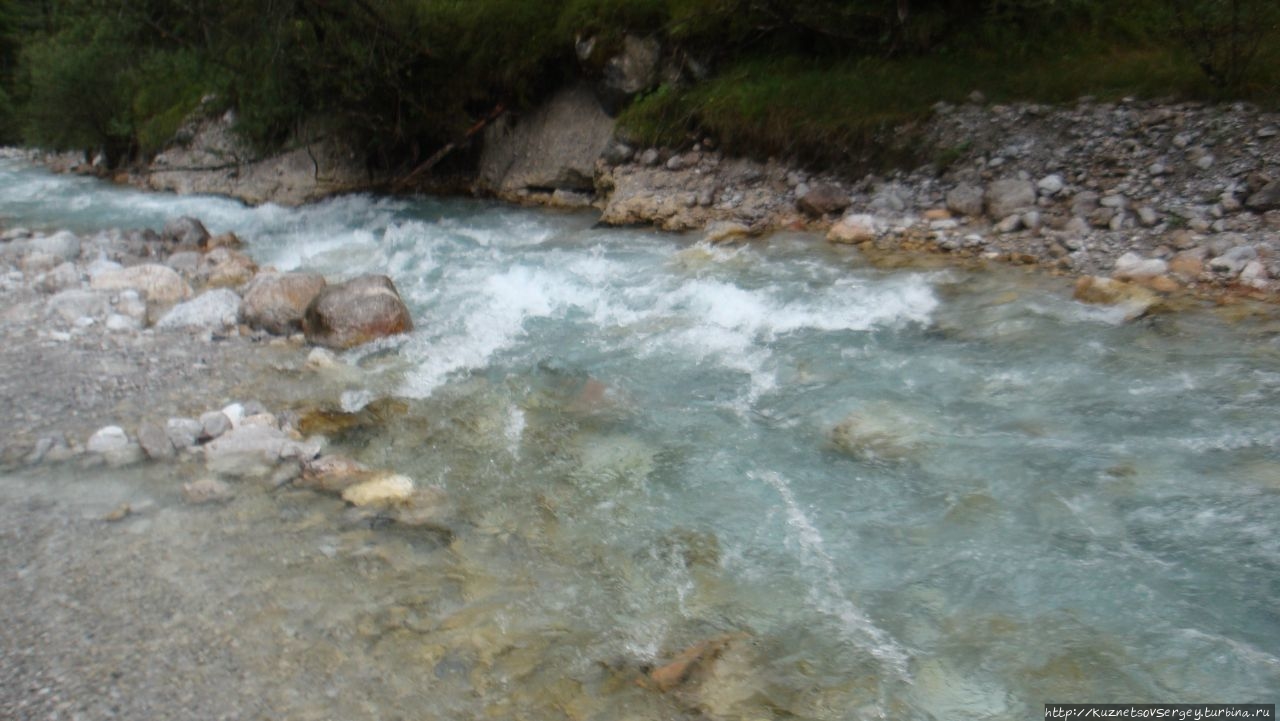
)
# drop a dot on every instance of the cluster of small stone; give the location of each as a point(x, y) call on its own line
point(184, 278)
point(245, 441)
point(1177, 197)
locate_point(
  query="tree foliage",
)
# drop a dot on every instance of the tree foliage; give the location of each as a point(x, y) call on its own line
point(400, 78)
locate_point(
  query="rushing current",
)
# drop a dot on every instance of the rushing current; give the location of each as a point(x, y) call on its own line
point(921, 493)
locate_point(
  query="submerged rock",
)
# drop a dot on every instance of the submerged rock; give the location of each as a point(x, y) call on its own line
point(689, 662)
point(333, 474)
point(206, 490)
point(724, 230)
point(388, 490)
point(356, 312)
point(1135, 299)
point(880, 433)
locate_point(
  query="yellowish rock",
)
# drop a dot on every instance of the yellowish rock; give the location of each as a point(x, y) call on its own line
point(1097, 290)
point(388, 490)
point(855, 229)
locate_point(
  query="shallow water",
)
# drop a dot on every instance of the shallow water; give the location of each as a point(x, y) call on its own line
point(911, 494)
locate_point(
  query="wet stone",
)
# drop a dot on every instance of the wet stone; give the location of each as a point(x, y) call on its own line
point(183, 432)
point(155, 442)
point(213, 424)
point(206, 490)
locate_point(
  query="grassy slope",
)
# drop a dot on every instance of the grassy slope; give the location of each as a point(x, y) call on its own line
point(847, 112)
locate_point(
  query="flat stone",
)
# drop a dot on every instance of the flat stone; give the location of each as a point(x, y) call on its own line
point(63, 245)
point(1187, 264)
point(71, 305)
point(119, 323)
point(212, 310)
point(254, 451)
point(160, 284)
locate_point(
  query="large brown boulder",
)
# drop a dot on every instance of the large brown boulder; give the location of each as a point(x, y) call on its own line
point(823, 199)
point(277, 303)
point(356, 312)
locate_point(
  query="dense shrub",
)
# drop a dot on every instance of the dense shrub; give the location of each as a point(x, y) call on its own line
point(817, 79)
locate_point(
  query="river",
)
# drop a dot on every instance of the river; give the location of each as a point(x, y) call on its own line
point(912, 494)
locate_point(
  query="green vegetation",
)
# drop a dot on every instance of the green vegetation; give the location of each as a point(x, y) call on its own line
point(825, 81)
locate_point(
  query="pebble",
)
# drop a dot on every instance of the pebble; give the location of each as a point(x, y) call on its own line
point(1051, 184)
point(206, 490)
point(155, 442)
point(214, 424)
point(107, 439)
point(183, 432)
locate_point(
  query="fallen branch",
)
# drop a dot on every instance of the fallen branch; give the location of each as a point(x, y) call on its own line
point(498, 111)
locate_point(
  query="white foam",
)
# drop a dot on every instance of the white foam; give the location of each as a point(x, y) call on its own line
point(827, 595)
point(486, 314)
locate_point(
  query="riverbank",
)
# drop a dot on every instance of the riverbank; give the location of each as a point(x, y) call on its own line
point(1173, 200)
point(1179, 199)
